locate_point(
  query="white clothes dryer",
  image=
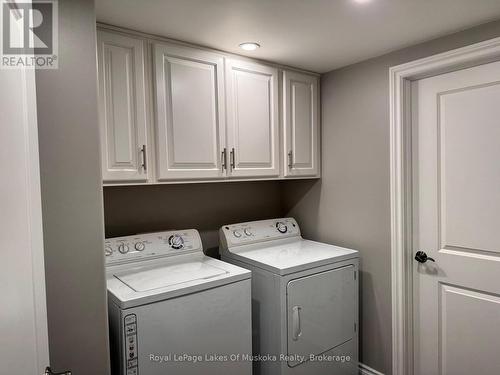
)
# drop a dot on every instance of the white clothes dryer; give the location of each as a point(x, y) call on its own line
point(304, 298)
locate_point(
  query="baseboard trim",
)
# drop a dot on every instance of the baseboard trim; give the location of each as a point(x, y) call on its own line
point(366, 370)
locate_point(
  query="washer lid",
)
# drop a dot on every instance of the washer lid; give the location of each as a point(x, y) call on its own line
point(154, 280)
point(288, 256)
point(148, 278)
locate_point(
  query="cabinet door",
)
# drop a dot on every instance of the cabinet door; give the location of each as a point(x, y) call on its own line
point(301, 125)
point(252, 113)
point(190, 113)
point(122, 108)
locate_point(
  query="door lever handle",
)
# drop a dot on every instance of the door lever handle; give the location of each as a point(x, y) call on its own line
point(48, 371)
point(421, 257)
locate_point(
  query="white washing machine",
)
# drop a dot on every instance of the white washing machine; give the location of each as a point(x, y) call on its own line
point(173, 310)
point(304, 298)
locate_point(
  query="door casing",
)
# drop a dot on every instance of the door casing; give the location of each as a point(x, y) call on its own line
point(401, 171)
point(23, 317)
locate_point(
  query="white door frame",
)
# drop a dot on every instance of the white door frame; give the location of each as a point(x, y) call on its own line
point(401, 184)
point(21, 224)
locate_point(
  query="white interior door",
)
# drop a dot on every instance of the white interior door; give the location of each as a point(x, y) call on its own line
point(190, 113)
point(252, 119)
point(456, 129)
point(301, 125)
point(23, 314)
point(122, 108)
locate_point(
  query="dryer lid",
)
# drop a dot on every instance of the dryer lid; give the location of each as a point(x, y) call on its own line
point(148, 278)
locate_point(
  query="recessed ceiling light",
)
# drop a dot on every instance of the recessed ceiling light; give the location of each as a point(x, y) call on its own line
point(362, 1)
point(249, 46)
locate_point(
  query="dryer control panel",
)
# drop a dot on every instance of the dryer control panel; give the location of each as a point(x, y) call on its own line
point(151, 245)
point(258, 231)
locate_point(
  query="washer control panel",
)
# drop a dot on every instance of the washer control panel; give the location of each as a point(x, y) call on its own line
point(130, 350)
point(257, 231)
point(151, 245)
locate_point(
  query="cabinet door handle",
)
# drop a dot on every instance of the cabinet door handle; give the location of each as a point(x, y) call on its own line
point(224, 159)
point(143, 153)
point(232, 158)
point(297, 330)
point(290, 159)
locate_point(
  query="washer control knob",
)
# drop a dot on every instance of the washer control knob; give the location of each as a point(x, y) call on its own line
point(237, 233)
point(139, 246)
point(248, 232)
point(176, 241)
point(108, 251)
point(122, 248)
point(282, 228)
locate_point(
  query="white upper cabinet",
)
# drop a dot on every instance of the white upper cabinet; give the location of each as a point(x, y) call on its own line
point(122, 108)
point(190, 113)
point(173, 113)
point(252, 119)
point(301, 125)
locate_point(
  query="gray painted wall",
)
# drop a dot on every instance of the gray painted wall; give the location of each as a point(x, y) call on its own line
point(350, 205)
point(72, 197)
point(206, 207)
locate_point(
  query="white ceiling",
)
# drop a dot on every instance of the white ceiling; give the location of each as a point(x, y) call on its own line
point(317, 35)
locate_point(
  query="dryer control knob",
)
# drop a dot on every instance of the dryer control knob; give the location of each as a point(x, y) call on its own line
point(122, 248)
point(237, 233)
point(139, 246)
point(282, 228)
point(108, 251)
point(176, 241)
point(248, 232)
